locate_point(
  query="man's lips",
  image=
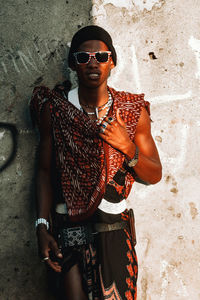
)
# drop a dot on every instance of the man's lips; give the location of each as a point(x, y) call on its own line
point(94, 75)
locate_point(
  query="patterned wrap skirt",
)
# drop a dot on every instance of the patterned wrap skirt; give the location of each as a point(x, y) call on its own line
point(108, 264)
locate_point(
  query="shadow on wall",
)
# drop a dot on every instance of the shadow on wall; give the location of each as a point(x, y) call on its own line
point(11, 152)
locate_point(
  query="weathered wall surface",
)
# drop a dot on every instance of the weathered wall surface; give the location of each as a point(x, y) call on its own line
point(158, 45)
point(34, 37)
point(159, 54)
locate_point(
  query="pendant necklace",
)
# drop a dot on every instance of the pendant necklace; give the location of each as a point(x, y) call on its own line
point(98, 109)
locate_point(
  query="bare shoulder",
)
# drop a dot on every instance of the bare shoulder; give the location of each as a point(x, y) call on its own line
point(144, 122)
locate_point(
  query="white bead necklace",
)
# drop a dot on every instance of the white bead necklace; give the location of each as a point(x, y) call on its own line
point(107, 106)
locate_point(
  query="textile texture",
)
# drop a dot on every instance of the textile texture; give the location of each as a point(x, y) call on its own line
point(90, 170)
point(85, 164)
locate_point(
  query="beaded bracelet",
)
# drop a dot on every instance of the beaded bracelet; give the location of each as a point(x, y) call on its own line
point(42, 221)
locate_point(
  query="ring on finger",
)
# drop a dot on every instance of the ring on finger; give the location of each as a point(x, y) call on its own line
point(102, 129)
point(110, 120)
point(45, 258)
point(104, 124)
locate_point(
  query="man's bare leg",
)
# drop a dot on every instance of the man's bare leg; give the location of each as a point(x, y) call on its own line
point(72, 285)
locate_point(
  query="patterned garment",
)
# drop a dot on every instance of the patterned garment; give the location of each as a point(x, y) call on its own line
point(117, 259)
point(89, 170)
point(108, 264)
point(85, 163)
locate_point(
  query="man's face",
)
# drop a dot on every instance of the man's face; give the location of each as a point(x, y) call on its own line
point(93, 74)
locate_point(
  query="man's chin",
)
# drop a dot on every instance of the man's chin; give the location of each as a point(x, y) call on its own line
point(91, 84)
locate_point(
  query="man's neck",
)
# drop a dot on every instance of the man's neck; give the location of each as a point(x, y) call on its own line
point(93, 96)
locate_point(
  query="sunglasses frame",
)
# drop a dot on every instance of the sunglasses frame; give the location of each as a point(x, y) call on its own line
point(92, 54)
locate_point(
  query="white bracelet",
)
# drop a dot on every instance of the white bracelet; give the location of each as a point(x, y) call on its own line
point(42, 221)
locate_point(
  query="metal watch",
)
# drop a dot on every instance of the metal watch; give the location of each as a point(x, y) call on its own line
point(132, 163)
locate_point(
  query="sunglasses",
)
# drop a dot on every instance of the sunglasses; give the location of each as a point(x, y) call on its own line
point(85, 57)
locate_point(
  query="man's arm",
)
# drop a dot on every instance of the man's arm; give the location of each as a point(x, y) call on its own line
point(46, 241)
point(148, 167)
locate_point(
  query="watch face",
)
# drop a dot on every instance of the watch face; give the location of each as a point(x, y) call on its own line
point(133, 162)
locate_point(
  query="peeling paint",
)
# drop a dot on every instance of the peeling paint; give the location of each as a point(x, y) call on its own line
point(128, 4)
point(98, 10)
point(148, 4)
point(141, 5)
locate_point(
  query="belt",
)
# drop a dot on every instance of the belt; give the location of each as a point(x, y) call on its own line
point(103, 227)
point(105, 206)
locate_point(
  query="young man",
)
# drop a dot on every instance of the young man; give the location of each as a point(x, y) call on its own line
point(93, 143)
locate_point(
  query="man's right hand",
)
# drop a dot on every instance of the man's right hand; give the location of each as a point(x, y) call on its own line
point(47, 244)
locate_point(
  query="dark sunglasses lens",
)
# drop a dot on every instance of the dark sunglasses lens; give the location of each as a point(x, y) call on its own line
point(82, 58)
point(102, 57)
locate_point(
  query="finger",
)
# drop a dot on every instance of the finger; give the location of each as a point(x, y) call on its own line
point(104, 127)
point(119, 118)
point(54, 265)
point(105, 137)
point(55, 249)
point(45, 253)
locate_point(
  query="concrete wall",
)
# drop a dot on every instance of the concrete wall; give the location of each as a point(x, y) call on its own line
point(158, 45)
point(34, 38)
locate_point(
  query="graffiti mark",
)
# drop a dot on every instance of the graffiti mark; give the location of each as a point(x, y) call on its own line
point(27, 61)
point(31, 59)
point(4, 67)
point(164, 99)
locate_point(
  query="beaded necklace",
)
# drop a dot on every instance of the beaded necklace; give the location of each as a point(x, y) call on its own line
point(106, 105)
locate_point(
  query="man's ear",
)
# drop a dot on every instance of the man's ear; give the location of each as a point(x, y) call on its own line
point(112, 65)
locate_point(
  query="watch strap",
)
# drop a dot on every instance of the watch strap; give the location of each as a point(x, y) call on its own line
point(134, 160)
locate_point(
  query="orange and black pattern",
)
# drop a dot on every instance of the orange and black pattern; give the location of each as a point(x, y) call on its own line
point(80, 154)
point(117, 259)
point(90, 170)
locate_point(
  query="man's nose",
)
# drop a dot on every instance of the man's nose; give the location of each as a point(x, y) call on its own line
point(92, 61)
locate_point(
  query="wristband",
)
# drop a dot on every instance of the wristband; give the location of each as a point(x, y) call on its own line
point(42, 221)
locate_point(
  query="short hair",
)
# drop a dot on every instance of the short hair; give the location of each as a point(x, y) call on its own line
point(92, 32)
